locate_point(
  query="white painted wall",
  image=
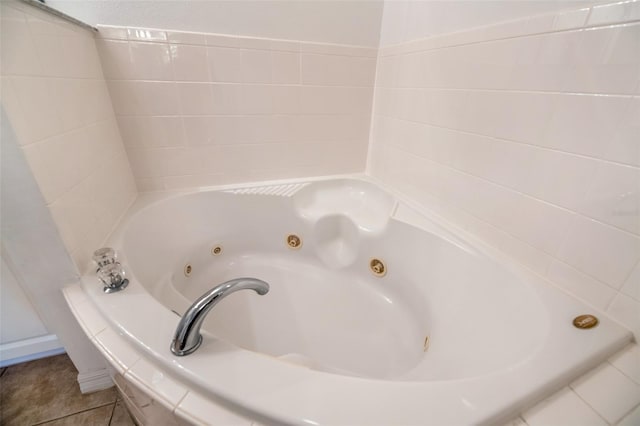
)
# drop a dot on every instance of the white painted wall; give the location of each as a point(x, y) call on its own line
point(343, 22)
point(32, 246)
point(18, 319)
point(23, 335)
point(409, 20)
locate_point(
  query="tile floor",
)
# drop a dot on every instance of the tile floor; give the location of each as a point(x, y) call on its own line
point(46, 392)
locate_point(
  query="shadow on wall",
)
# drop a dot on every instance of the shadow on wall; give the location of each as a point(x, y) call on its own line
point(31, 243)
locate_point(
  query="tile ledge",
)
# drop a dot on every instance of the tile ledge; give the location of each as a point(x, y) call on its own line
point(123, 33)
point(510, 29)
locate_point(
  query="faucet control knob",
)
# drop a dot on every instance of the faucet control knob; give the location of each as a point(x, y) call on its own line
point(113, 277)
point(104, 256)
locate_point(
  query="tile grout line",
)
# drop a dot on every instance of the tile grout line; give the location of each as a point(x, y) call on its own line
point(302, 49)
point(73, 414)
point(501, 139)
point(623, 372)
point(462, 89)
point(70, 131)
point(248, 83)
point(627, 413)
point(480, 40)
point(553, 256)
point(629, 276)
point(524, 194)
point(570, 386)
point(113, 410)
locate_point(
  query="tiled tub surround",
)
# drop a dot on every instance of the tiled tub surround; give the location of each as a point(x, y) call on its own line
point(203, 109)
point(424, 156)
point(55, 95)
point(526, 134)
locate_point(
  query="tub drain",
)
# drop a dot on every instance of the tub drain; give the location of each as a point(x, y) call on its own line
point(377, 267)
point(216, 250)
point(293, 241)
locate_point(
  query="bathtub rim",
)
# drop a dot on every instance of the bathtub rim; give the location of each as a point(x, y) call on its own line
point(487, 413)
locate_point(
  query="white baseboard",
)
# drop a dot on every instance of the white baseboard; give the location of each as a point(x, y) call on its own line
point(44, 346)
point(93, 381)
point(29, 349)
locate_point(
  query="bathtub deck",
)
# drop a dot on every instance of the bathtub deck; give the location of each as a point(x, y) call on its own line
point(606, 395)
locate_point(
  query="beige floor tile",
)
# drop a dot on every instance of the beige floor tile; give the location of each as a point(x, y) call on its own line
point(121, 416)
point(95, 417)
point(45, 390)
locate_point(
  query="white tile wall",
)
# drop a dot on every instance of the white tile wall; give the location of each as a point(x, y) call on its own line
point(530, 128)
point(203, 109)
point(563, 408)
point(526, 134)
point(608, 395)
point(55, 95)
point(610, 405)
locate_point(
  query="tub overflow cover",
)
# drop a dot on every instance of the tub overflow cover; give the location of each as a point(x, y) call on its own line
point(585, 321)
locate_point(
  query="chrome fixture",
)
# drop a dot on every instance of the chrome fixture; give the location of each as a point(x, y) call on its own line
point(113, 278)
point(104, 256)
point(110, 271)
point(187, 337)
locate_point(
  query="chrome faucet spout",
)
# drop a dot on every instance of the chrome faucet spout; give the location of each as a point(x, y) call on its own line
point(187, 337)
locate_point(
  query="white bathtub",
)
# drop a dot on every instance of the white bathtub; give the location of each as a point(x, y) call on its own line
point(452, 334)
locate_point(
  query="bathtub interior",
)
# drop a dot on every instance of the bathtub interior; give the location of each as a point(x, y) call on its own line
point(434, 315)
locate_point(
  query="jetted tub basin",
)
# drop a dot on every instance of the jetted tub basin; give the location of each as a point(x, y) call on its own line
point(376, 315)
